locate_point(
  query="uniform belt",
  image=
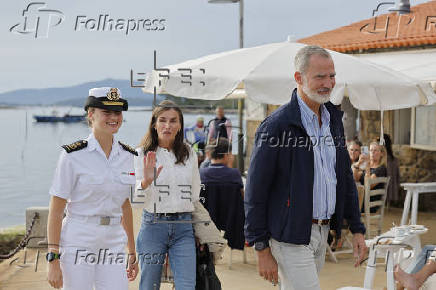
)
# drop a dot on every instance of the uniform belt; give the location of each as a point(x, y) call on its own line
point(98, 220)
point(321, 222)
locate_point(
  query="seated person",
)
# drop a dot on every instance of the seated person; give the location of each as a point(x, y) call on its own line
point(376, 168)
point(225, 206)
point(354, 150)
point(377, 164)
point(206, 161)
point(218, 170)
point(418, 272)
point(358, 159)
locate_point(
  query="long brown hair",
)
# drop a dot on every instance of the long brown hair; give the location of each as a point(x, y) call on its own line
point(150, 141)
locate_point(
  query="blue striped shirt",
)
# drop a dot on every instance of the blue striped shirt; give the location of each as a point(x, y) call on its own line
point(324, 152)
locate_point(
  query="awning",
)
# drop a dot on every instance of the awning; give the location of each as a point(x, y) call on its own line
point(418, 64)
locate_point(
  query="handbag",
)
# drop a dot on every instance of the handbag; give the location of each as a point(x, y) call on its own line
point(206, 276)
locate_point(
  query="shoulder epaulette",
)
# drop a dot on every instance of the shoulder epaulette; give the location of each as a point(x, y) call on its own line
point(128, 148)
point(75, 146)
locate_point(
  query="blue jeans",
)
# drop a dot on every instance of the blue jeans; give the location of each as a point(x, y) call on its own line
point(155, 240)
point(421, 260)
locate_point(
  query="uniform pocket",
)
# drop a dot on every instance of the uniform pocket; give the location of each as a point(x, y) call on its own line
point(91, 179)
point(90, 189)
point(127, 179)
point(124, 187)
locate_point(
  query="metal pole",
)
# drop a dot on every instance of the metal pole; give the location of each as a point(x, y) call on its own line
point(240, 137)
point(241, 101)
point(241, 23)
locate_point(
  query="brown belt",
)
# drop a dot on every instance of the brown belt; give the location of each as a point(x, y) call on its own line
point(320, 222)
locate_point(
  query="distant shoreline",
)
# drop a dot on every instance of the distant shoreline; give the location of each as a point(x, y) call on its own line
point(6, 107)
point(192, 110)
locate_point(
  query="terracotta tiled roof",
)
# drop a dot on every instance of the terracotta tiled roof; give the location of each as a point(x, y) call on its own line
point(383, 31)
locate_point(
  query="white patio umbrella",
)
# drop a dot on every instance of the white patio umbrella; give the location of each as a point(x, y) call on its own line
point(265, 74)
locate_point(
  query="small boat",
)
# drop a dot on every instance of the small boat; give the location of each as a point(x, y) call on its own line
point(55, 117)
point(66, 118)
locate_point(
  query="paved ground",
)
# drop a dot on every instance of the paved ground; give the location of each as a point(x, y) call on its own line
point(241, 276)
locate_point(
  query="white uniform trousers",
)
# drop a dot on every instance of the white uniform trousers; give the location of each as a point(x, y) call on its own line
point(299, 265)
point(88, 276)
point(93, 256)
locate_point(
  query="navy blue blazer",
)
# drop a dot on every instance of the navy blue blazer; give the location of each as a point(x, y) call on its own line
point(279, 191)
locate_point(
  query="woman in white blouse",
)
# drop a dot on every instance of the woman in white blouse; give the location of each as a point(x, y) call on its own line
point(168, 182)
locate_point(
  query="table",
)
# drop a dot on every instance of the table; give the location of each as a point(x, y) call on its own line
point(392, 252)
point(413, 191)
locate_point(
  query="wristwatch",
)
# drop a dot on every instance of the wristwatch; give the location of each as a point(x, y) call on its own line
point(261, 245)
point(52, 256)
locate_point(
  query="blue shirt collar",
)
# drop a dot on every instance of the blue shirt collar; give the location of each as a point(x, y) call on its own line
point(325, 115)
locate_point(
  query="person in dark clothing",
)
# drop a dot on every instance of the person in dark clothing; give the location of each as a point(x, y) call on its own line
point(354, 150)
point(300, 184)
point(377, 164)
point(218, 171)
point(207, 160)
point(359, 160)
point(393, 172)
point(376, 168)
point(220, 126)
point(224, 192)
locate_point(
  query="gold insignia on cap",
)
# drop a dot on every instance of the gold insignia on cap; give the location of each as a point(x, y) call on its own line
point(112, 103)
point(113, 94)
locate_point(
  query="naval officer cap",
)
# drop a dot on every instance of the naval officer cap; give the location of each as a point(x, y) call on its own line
point(106, 98)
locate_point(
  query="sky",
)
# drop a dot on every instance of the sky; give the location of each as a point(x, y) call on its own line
point(74, 51)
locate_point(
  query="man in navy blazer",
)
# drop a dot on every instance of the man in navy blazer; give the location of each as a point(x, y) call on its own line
point(300, 183)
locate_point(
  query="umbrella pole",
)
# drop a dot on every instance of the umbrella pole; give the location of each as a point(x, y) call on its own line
point(241, 101)
point(240, 137)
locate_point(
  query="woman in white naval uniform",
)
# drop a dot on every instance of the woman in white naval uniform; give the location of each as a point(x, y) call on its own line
point(167, 200)
point(93, 180)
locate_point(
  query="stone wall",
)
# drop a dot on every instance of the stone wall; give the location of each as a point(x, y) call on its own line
point(370, 125)
point(415, 165)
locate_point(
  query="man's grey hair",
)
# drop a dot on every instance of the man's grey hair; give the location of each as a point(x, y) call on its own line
point(354, 142)
point(301, 60)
